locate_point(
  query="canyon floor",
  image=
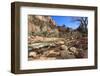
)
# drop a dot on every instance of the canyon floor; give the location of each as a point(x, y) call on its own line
point(51, 48)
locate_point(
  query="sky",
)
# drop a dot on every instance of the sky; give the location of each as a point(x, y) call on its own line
point(66, 20)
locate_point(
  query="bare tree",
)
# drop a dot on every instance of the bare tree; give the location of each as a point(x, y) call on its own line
point(83, 23)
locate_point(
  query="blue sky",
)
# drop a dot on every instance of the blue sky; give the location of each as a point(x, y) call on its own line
point(67, 20)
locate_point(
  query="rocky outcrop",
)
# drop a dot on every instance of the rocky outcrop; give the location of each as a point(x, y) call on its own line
point(41, 25)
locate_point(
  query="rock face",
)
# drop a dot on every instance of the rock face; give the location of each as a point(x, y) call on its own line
point(41, 24)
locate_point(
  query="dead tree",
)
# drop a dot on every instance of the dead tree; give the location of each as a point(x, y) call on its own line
point(83, 26)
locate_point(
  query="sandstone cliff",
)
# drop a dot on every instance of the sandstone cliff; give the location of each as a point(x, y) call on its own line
point(41, 24)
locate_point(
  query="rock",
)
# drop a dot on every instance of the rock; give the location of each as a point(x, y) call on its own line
point(41, 45)
point(33, 54)
point(82, 53)
point(66, 55)
point(64, 47)
point(60, 42)
point(51, 53)
point(73, 49)
point(38, 45)
point(41, 23)
point(52, 44)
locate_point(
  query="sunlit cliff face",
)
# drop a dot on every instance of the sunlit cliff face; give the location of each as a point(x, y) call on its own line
point(40, 23)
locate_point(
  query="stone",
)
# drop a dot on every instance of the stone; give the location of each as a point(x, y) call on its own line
point(39, 45)
point(60, 42)
point(33, 54)
point(40, 23)
point(73, 49)
point(64, 47)
point(51, 53)
point(66, 55)
point(71, 56)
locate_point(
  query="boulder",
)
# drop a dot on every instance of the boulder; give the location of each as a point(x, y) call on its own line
point(66, 55)
point(33, 54)
point(73, 50)
point(64, 47)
